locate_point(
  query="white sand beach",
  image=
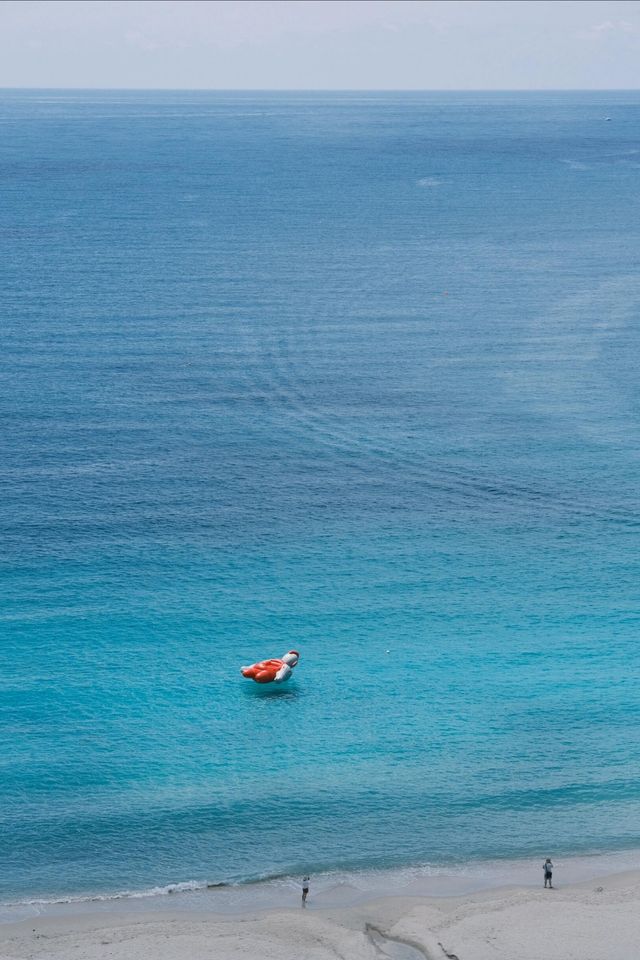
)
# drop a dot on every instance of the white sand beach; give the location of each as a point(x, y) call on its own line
point(593, 920)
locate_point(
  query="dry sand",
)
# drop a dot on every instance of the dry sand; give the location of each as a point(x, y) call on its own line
point(598, 920)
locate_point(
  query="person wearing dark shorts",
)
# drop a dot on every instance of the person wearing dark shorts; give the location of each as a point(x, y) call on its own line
point(547, 866)
point(305, 890)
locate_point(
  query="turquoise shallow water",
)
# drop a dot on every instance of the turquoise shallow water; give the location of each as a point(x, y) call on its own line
point(354, 374)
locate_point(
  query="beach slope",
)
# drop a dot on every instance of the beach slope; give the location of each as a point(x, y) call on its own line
point(599, 920)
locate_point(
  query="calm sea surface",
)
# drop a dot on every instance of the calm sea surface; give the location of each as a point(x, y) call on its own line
point(355, 374)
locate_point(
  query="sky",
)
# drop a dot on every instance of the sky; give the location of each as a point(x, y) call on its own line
point(321, 44)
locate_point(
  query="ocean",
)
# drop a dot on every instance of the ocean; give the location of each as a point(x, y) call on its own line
point(355, 374)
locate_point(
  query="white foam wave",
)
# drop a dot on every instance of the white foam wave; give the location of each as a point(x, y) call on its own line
point(429, 182)
point(184, 887)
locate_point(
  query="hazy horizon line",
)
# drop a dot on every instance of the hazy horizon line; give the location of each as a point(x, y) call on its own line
point(333, 89)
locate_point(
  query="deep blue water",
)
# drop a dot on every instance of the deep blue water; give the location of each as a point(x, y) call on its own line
point(355, 374)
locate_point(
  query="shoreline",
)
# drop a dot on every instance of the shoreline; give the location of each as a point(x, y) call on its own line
point(358, 885)
point(599, 919)
point(331, 889)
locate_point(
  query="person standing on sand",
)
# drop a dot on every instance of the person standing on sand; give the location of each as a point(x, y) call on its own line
point(305, 890)
point(547, 866)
